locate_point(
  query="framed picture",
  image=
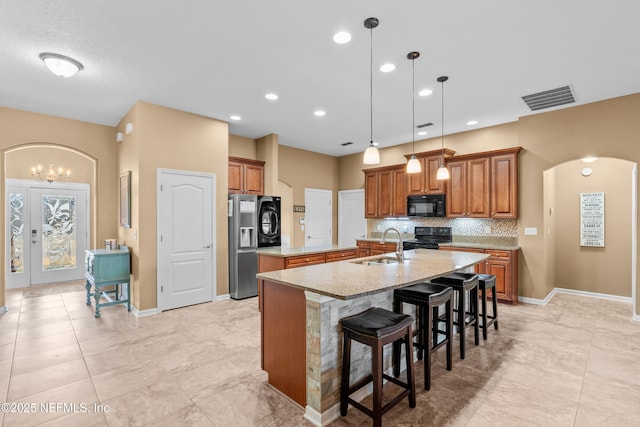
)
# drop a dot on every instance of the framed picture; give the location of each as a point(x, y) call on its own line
point(125, 200)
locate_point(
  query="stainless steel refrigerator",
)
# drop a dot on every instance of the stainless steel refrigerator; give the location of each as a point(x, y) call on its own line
point(243, 243)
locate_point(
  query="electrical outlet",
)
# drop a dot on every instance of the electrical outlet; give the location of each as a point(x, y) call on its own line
point(530, 231)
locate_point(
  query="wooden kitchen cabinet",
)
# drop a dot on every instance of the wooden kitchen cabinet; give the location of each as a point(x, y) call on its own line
point(504, 185)
point(246, 176)
point(483, 185)
point(385, 192)
point(468, 188)
point(369, 248)
point(426, 181)
point(503, 264)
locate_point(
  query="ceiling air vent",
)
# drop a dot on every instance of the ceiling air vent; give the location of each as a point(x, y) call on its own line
point(549, 98)
point(344, 144)
point(424, 125)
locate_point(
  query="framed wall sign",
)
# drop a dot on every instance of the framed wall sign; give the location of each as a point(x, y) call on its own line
point(125, 200)
point(592, 219)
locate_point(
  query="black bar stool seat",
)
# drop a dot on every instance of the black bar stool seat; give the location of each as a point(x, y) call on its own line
point(427, 297)
point(461, 284)
point(488, 281)
point(376, 327)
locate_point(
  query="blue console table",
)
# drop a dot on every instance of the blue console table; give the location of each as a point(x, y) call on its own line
point(108, 268)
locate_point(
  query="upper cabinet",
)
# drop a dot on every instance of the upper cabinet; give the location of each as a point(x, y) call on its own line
point(483, 185)
point(385, 192)
point(425, 182)
point(246, 176)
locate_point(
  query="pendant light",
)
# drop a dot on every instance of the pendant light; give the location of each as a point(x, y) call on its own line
point(413, 165)
point(371, 154)
point(443, 172)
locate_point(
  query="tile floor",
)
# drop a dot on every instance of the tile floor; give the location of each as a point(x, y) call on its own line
point(574, 362)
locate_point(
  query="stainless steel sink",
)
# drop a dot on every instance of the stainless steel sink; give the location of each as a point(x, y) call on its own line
point(379, 261)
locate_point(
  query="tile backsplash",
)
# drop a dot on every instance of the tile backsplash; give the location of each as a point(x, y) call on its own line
point(459, 226)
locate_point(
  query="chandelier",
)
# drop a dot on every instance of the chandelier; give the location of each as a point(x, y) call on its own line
point(51, 175)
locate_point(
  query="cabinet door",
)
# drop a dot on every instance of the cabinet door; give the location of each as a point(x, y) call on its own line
point(504, 186)
point(457, 189)
point(400, 181)
point(430, 170)
point(254, 179)
point(235, 177)
point(478, 203)
point(385, 193)
point(371, 195)
point(501, 268)
point(415, 181)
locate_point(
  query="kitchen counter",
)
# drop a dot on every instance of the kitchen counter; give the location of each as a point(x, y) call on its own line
point(300, 312)
point(303, 250)
point(352, 279)
point(484, 242)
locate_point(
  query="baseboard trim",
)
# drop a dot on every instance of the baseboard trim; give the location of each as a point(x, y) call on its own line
point(222, 297)
point(4, 309)
point(636, 317)
point(574, 292)
point(144, 313)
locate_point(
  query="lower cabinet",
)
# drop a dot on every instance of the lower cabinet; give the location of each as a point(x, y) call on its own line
point(503, 264)
point(273, 262)
point(369, 248)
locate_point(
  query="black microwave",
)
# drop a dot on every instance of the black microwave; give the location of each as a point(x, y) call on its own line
point(427, 205)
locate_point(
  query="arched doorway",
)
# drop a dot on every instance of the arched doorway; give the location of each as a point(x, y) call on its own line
point(49, 224)
point(608, 270)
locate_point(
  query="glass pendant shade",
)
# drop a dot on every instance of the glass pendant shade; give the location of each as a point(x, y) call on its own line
point(443, 173)
point(371, 155)
point(413, 165)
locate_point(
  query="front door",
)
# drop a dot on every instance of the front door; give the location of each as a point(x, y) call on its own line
point(48, 232)
point(318, 217)
point(186, 238)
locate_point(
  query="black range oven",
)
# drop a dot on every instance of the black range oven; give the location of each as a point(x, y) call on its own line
point(428, 238)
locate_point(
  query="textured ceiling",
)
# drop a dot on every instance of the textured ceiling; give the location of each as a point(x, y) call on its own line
point(218, 58)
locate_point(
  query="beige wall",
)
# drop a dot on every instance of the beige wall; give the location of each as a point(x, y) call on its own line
point(592, 269)
point(603, 129)
point(171, 139)
point(240, 146)
point(21, 129)
point(302, 169)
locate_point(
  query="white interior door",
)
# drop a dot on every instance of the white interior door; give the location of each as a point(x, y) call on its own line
point(48, 229)
point(186, 238)
point(318, 217)
point(352, 224)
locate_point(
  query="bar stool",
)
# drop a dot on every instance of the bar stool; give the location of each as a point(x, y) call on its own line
point(428, 298)
point(461, 284)
point(376, 327)
point(488, 281)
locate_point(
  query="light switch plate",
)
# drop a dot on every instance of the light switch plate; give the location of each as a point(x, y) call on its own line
point(530, 231)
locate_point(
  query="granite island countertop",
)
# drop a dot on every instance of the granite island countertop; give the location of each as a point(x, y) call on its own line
point(484, 242)
point(351, 279)
point(280, 251)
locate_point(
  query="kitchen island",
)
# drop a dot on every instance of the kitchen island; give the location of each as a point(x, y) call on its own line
point(301, 309)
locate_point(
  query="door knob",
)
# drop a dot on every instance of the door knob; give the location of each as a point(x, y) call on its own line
point(207, 247)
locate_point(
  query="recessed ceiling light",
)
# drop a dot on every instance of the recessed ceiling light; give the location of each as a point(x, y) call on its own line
point(319, 113)
point(472, 122)
point(422, 133)
point(342, 37)
point(387, 68)
point(271, 96)
point(235, 117)
point(60, 65)
point(425, 92)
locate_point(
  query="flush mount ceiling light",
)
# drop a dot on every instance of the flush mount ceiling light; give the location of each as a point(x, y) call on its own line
point(342, 37)
point(371, 154)
point(413, 165)
point(387, 68)
point(443, 172)
point(60, 65)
